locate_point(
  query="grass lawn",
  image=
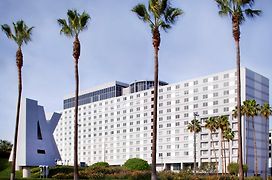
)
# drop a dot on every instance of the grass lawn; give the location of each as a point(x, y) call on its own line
point(5, 168)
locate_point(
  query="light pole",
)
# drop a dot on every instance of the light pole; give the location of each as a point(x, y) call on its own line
point(195, 115)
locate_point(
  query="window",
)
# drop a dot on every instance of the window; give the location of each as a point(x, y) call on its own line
point(205, 80)
point(226, 76)
point(39, 133)
point(215, 78)
point(186, 153)
point(195, 98)
point(226, 101)
point(215, 94)
point(226, 92)
point(186, 99)
point(205, 88)
point(215, 103)
point(226, 84)
point(215, 111)
point(195, 82)
point(205, 96)
point(186, 84)
point(195, 106)
point(205, 104)
point(226, 109)
point(186, 92)
point(40, 151)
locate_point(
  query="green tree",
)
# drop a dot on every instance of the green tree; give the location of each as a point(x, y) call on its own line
point(21, 35)
point(237, 10)
point(228, 135)
point(252, 109)
point(223, 125)
point(212, 125)
point(266, 112)
point(195, 127)
point(5, 146)
point(75, 24)
point(159, 14)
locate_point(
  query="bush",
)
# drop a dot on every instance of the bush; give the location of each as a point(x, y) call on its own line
point(136, 164)
point(59, 170)
point(100, 164)
point(233, 168)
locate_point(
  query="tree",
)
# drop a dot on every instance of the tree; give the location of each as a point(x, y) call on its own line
point(21, 35)
point(223, 125)
point(194, 127)
point(228, 135)
point(265, 112)
point(75, 24)
point(211, 124)
point(237, 10)
point(136, 164)
point(159, 15)
point(251, 109)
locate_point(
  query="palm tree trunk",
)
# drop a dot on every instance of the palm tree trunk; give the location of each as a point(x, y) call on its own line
point(236, 35)
point(255, 149)
point(225, 163)
point(247, 137)
point(229, 150)
point(216, 164)
point(156, 44)
point(76, 54)
point(266, 143)
point(194, 151)
point(19, 63)
point(222, 154)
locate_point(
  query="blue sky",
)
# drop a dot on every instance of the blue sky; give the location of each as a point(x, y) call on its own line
point(117, 46)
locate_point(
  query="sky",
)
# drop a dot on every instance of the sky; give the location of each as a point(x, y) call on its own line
point(118, 46)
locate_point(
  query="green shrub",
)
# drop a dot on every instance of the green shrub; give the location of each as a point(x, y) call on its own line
point(233, 168)
point(166, 175)
point(63, 176)
point(245, 168)
point(100, 164)
point(136, 164)
point(60, 169)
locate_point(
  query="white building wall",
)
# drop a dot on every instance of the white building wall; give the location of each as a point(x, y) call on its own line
point(119, 128)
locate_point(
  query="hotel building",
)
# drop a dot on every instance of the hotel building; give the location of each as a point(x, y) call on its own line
point(115, 121)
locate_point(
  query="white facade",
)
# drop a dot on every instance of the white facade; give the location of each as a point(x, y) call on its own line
point(119, 128)
point(36, 145)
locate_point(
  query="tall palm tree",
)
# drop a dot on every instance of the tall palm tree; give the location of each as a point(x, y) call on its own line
point(21, 35)
point(223, 125)
point(159, 14)
point(194, 127)
point(212, 125)
point(228, 135)
point(75, 24)
point(266, 112)
point(252, 109)
point(237, 10)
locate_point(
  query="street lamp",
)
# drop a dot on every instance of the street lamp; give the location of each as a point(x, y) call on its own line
point(195, 115)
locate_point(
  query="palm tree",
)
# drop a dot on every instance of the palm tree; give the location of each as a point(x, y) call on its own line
point(228, 135)
point(194, 127)
point(252, 109)
point(223, 125)
point(159, 14)
point(211, 124)
point(21, 35)
point(75, 24)
point(237, 10)
point(265, 112)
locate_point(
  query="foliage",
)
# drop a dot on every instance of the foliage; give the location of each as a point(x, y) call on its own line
point(136, 164)
point(100, 164)
point(208, 168)
point(233, 168)
point(60, 169)
point(5, 148)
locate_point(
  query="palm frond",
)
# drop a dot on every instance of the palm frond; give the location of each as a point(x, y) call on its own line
point(171, 14)
point(27, 34)
point(83, 20)
point(225, 8)
point(251, 13)
point(65, 29)
point(141, 12)
point(165, 26)
point(154, 8)
point(6, 29)
point(163, 6)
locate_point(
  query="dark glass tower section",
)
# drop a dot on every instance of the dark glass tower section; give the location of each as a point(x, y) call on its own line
point(143, 85)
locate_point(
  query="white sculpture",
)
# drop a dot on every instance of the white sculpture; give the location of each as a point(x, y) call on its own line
point(36, 144)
